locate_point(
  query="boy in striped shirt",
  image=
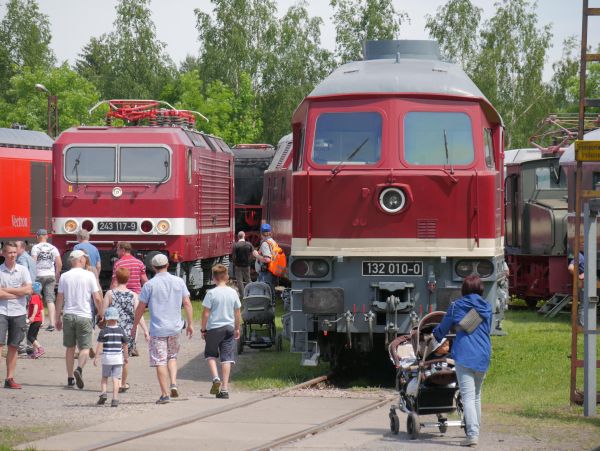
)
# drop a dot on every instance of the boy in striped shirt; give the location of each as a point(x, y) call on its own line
point(112, 342)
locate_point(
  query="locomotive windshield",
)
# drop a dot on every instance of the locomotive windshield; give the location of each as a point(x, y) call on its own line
point(339, 135)
point(438, 139)
point(90, 164)
point(144, 164)
point(97, 164)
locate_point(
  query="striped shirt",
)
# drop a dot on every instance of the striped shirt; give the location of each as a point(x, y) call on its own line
point(136, 269)
point(112, 339)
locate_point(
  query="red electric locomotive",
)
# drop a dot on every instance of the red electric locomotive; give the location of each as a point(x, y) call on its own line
point(164, 187)
point(397, 194)
point(26, 174)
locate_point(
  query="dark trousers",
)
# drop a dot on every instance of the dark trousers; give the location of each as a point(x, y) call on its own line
point(242, 277)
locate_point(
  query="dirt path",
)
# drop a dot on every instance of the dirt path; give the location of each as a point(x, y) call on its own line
point(45, 407)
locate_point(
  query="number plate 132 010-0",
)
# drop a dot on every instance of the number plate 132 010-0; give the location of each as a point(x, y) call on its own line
point(117, 226)
point(392, 268)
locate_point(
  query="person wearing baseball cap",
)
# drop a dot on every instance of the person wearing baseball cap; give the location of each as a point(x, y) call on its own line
point(75, 289)
point(164, 296)
point(48, 267)
point(263, 255)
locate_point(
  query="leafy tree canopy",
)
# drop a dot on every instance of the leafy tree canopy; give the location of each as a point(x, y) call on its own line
point(357, 21)
point(75, 96)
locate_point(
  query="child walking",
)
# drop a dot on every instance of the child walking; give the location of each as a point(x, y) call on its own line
point(220, 328)
point(35, 316)
point(112, 343)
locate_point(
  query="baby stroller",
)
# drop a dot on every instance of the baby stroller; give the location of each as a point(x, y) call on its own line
point(426, 387)
point(258, 319)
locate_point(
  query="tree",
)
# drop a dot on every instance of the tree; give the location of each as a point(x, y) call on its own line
point(75, 96)
point(238, 40)
point(509, 67)
point(455, 27)
point(505, 57)
point(95, 63)
point(288, 78)
point(129, 62)
point(24, 39)
point(358, 20)
point(231, 116)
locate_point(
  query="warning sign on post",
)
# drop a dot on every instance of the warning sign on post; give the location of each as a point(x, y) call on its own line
point(587, 150)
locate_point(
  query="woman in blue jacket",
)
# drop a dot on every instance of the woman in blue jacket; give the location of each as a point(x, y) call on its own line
point(470, 351)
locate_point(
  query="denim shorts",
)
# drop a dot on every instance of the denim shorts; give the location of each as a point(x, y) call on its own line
point(220, 343)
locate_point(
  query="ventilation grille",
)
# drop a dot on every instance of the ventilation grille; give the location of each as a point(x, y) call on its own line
point(426, 229)
point(283, 156)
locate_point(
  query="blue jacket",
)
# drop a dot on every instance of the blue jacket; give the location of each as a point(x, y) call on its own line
point(469, 350)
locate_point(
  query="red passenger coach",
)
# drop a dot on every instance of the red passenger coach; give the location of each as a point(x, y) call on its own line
point(26, 175)
point(164, 187)
point(397, 178)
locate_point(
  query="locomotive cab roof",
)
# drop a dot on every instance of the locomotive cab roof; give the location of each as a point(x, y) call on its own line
point(415, 70)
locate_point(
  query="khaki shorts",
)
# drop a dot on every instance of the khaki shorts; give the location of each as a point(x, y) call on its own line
point(77, 330)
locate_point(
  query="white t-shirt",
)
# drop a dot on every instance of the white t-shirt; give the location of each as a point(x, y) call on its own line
point(44, 255)
point(77, 286)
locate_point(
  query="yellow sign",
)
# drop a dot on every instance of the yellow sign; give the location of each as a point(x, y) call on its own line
point(587, 150)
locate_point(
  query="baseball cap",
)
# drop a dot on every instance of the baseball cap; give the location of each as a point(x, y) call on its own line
point(111, 313)
point(77, 253)
point(41, 232)
point(265, 228)
point(160, 260)
point(37, 287)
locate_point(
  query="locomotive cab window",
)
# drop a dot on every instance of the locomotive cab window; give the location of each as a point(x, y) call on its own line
point(349, 138)
point(144, 164)
point(489, 147)
point(438, 139)
point(90, 164)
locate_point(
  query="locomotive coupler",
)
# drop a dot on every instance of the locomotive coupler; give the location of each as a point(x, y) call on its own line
point(349, 317)
point(369, 317)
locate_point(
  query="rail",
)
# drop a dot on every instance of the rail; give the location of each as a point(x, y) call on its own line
point(201, 416)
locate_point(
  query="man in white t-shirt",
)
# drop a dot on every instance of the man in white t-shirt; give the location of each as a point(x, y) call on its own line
point(48, 267)
point(76, 287)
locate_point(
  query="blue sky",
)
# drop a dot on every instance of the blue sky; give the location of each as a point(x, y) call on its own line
point(75, 21)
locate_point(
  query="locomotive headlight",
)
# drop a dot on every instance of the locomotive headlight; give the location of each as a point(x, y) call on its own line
point(485, 268)
point(163, 226)
point(464, 268)
point(71, 226)
point(392, 200)
point(146, 226)
point(300, 268)
point(320, 268)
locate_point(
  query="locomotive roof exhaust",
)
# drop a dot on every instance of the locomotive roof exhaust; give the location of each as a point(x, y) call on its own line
point(405, 48)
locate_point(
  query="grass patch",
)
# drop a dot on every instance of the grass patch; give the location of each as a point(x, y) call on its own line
point(11, 436)
point(530, 372)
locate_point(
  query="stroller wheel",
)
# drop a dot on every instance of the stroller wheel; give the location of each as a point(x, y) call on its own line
point(443, 426)
point(413, 426)
point(394, 422)
point(460, 410)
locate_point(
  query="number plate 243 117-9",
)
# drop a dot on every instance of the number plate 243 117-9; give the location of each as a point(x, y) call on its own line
point(392, 268)
point(117, 226)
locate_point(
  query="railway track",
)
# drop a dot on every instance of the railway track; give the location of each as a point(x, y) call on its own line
point(270, 442)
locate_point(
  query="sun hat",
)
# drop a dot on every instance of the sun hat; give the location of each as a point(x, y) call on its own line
point(160, 260)
point(111, 313)
point(265, 228)
point(77, 253)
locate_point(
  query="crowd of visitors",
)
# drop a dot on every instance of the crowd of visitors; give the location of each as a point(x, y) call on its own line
point(75, 305)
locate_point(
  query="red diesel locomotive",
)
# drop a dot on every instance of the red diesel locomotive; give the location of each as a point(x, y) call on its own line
point(397, 196)
point(164, 187)
point(26, 174)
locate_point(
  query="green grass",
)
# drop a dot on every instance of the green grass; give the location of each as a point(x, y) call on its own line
point(530, 372)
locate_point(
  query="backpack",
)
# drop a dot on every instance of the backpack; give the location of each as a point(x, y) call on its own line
point(277, 265)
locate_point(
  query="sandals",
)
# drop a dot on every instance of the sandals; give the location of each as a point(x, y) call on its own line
point(124, 388)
